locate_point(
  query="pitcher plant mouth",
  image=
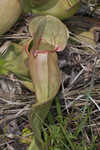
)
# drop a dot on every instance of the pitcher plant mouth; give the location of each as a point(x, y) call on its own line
point(29, 48)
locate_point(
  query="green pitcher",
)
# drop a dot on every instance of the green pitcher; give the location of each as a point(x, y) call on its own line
point(10, 10)
point(60, 8)
point(36, 59)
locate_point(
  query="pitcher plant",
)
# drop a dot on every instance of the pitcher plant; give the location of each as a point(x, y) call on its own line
point(60, 8)
point(39, 62)
point(9, 13)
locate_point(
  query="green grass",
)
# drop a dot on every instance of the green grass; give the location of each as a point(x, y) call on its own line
point(67, 131)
